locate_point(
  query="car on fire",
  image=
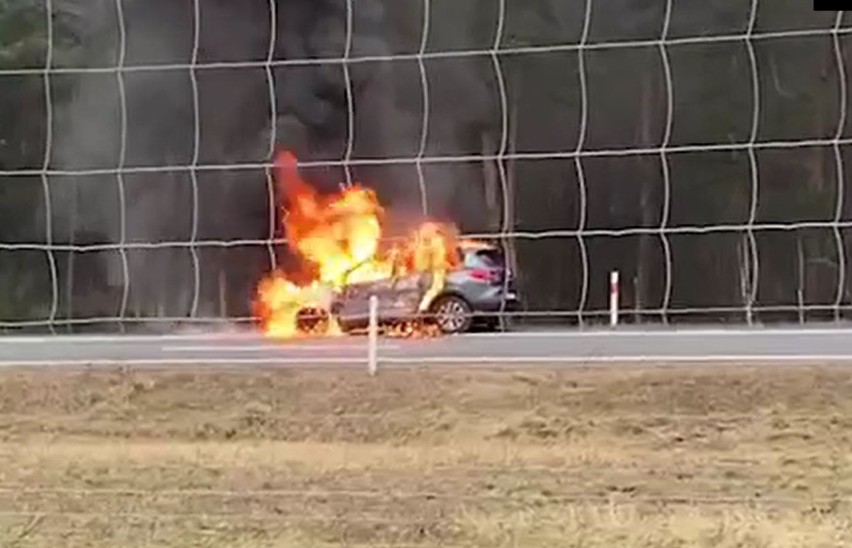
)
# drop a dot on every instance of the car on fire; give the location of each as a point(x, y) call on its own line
point(478, 293)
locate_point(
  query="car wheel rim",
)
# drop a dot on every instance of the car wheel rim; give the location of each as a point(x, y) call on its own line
point(451, 315)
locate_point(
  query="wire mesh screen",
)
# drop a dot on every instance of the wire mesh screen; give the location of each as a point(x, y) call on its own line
point(699, 149)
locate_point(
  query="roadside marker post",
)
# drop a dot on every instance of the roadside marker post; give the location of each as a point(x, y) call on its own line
point(373, 336)
point(613, 298)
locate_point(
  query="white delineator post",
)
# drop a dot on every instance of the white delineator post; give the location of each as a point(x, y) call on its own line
point(613, 298)
point(373, 336)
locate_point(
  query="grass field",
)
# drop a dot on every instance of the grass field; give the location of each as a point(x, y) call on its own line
point(593, 458)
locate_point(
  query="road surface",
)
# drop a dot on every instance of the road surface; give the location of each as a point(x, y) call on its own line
point(515, 349)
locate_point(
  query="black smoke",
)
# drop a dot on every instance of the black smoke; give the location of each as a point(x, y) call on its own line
point(238, 125)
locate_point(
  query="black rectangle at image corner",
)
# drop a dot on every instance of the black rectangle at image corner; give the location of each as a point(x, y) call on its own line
point(832, 5)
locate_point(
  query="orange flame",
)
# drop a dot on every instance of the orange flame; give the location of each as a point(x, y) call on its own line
point(339, 240)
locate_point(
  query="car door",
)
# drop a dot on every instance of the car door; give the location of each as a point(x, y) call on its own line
point(398, 299)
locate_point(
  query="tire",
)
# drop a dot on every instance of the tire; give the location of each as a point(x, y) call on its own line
point(312, 321)
point(452, 314)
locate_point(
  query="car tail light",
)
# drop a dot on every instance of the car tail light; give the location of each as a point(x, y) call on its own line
point(485, 275)
point(480, 274)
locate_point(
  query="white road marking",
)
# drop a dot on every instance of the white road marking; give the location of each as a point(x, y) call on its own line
point(86, 339)
point(279, 348)
point(767, 359)
point(686, 332)
point(568, 333)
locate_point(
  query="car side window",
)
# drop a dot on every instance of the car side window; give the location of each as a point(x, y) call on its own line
point(472, 261)
point(481, 259)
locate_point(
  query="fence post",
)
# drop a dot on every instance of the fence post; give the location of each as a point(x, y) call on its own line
point(613, 298)
point(373, 336)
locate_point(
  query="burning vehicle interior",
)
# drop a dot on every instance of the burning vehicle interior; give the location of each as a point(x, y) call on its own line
point(427, 280)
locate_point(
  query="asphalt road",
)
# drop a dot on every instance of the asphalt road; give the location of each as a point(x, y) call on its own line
point(513, 349)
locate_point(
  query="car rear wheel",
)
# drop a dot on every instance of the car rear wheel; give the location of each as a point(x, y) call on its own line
point(452, 314)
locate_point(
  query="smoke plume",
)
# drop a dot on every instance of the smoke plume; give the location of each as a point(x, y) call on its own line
point(237, 124)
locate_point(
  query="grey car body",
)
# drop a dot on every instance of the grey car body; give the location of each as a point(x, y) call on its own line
point(480, 292)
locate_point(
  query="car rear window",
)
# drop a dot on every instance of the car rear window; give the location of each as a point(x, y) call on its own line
point(484, 258)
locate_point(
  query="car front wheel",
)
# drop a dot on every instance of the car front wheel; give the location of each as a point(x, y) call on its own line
point(452, 314)
point(313, 321)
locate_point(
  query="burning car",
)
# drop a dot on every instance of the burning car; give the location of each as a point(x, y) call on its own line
point(480, 290)
point(424, 273)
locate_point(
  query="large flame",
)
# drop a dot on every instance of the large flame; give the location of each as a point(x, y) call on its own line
point(339, 240)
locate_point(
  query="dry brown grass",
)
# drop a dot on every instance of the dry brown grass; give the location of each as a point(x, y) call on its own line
point(638, 457)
